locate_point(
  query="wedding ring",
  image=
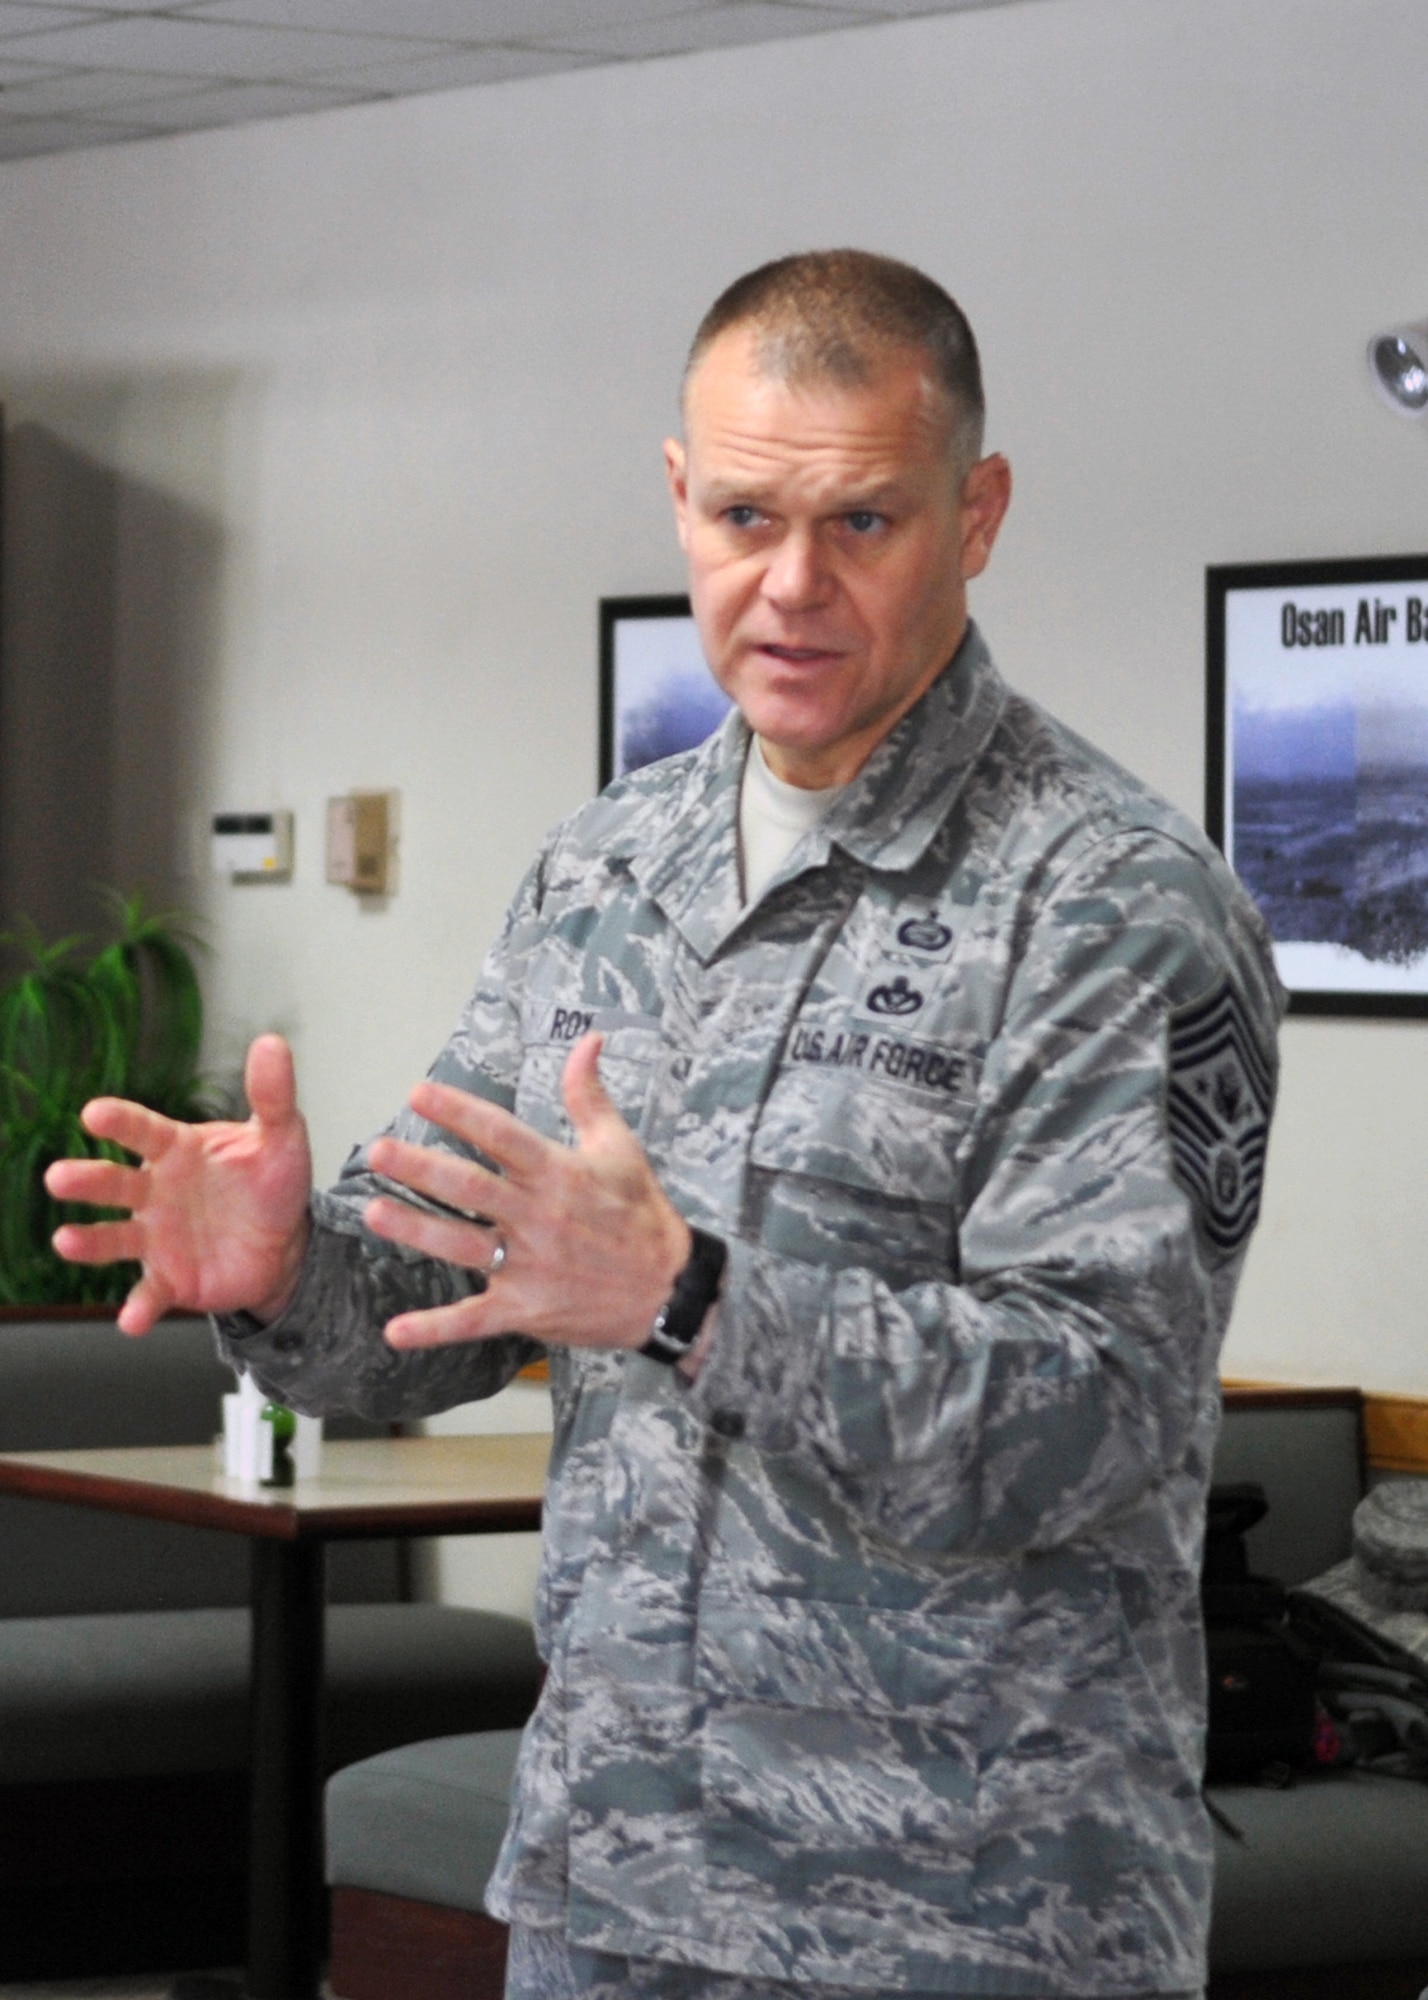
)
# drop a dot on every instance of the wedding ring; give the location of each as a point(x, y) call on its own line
point(498, 1258)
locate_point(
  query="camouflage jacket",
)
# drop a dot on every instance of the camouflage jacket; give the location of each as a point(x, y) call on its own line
point(875, 1654)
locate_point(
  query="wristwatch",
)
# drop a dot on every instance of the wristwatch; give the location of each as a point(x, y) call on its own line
point(677, 1323)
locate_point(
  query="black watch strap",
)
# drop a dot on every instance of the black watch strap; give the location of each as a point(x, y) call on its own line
point(679, 1319)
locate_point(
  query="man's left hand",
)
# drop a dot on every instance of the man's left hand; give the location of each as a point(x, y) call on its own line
point(592, 1245)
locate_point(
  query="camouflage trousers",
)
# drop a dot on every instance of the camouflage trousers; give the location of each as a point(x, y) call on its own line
point(542, 1966)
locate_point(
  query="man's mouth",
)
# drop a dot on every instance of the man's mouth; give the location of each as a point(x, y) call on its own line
point(799, 656)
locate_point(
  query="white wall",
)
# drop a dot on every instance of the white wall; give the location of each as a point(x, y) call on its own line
point(385, 388)
point(496, 1572)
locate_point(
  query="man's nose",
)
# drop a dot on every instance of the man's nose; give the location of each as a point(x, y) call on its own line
point(797, 578)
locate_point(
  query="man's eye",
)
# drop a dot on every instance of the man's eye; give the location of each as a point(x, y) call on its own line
point(863, 521)
point(741, 517)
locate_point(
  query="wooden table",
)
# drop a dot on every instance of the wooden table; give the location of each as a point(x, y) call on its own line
point(381, 1487)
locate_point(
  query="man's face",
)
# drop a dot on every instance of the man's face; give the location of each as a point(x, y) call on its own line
point(828, 548)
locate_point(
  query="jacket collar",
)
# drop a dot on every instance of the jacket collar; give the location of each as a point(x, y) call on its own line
point(889, 814)
point(886, 819)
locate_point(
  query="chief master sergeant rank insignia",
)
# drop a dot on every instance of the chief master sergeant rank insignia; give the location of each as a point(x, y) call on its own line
point(1218, 1109)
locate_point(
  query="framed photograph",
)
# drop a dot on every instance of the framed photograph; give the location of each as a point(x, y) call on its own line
point(1317, 770)
point(657, 696)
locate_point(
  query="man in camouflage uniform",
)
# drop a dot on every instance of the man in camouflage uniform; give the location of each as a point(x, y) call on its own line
point(869, 1591)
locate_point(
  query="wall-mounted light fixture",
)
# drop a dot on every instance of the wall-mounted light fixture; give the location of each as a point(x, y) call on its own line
point(1398, 363)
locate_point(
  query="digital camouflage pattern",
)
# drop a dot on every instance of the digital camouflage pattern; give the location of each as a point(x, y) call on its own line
point(875, 1656)
point(543, 1965)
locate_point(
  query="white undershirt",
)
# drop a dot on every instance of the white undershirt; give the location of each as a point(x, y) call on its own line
point(773, 818)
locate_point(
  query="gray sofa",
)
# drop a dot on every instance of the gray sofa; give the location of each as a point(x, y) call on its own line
point(124, 1670)
point(1324, 1896)
point(412, 1837)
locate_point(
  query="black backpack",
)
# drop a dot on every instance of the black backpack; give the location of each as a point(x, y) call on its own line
point(1263, 1711)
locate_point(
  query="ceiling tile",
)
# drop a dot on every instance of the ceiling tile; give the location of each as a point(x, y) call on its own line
point(458, 68)
point(47, 94)
point(442, 20)
point(545, 20)
point(130, 66)
point(716, 27)
point(889, 10)
point(448, 20)
point(207, 48)
point(23, 72)
point(25, 20)
point(235, 104)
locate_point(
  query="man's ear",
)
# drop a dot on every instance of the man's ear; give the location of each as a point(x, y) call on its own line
point(676, 470)
point(982, 506)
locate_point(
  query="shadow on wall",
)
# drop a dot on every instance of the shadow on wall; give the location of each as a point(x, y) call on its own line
point(108, 644)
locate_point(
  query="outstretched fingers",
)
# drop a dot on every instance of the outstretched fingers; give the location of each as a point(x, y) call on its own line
point(445, 1177)
point(145, 1306)
point(592, 1112)
point(137, 1129)
point(467, 1244)
point(441, 1326)
point(104, 1183)
point(583, 1241)
point(270, 1080)
point(99, 1242)
point(521, 1152)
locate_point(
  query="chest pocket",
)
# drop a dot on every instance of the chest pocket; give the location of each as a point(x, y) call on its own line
point(629, 1065)
point(849, 1169)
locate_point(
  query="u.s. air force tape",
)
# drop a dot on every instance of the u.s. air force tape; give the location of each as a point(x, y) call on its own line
point(1219, 1097)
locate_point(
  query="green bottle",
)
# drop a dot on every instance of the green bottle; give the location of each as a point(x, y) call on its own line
point(284, 1428)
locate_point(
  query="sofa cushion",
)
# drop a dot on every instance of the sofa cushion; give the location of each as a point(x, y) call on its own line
point(1333, 1870)
point(150, 1693)
point(424, 1822)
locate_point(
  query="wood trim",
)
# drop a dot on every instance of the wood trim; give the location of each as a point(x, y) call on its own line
point(393, 1948)
point(1239, 1395)
point(1396, 1432)
point(1395, 1428)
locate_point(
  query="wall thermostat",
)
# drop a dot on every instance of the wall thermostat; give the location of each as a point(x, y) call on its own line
point(359, 842)
point(253, 846)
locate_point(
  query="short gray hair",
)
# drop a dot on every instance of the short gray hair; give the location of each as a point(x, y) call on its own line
point(832, 315)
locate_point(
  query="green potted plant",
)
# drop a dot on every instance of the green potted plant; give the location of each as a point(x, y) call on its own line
point(78, 1020)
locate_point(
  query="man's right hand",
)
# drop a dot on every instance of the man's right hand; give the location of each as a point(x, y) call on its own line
point(217, 1212)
